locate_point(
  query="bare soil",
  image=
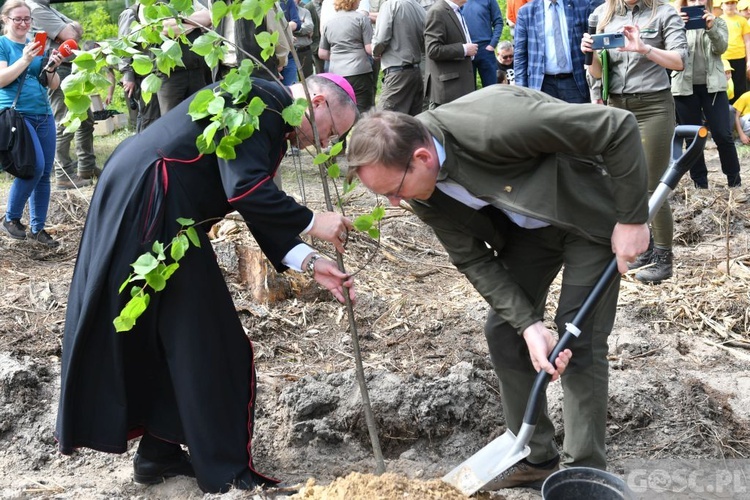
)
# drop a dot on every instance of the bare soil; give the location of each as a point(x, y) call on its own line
point(679, 356)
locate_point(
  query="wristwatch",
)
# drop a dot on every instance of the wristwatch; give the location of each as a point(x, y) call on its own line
point(310, 268)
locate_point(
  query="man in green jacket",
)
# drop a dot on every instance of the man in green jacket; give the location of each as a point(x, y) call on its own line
point(513, 202)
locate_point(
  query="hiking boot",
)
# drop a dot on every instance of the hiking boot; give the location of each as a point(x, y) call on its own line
point(43, 238)
point(524, 474)
point(644, 258)
point(73, 182)
point(660, 268)
point(738, 194)
point(147, 471)
point(96, 173)
point(14, 228)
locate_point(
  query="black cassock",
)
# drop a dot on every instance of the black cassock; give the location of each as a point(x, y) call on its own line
point(185, 372)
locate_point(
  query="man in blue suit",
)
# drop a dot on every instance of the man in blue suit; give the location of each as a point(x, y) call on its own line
point(547, 53)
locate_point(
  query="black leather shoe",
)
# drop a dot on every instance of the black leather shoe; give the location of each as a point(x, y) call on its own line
point(147, 471)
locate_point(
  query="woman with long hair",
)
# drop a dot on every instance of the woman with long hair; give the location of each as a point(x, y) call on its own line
point(701, 90)
point(637, 81)
point(21, 64)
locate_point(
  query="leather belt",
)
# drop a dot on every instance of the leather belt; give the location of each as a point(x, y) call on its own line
point(394, 69)
point(559, 76)
point(303, 49)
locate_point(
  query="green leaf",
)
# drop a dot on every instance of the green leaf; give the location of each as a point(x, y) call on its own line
point(225, 149)
point(158, 249)
point(219, 9)
point(199, 106)
point(204, 44)
point(152, 84)
point(182, 221)
point(85, 61)
point(123, 323)
point(78, 104)
point(73, 125)
point(124, 284)
point(256, 106)
point(145, 264)
point(210, 131)
point(336, 149)
point(193, 235)
point(136, 290)
point(183, 5)
point(216, 106)
point(142, 64)
point(363, 222)
point(321, 158)
point(178, 249)
point(169, 270)
point(267, 42)
point(374, 233)
point(295, 113)
point(155, 280)
point(378, 213)
point(334, 171)
point(135, 307)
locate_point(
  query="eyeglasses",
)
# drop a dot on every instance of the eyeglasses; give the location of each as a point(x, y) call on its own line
point(19, 20)
point(335, 136)
point(397, 194)
point(509, 56)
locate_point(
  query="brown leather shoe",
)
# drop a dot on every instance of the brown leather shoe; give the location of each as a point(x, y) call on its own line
point(97, 172)
point(523, 475)
point(72, 183)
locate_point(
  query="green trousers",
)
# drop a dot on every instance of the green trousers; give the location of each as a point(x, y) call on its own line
point(655, 112)
point(534, 257)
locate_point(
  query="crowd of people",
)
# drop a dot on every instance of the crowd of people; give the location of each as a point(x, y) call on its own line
point(513, 205)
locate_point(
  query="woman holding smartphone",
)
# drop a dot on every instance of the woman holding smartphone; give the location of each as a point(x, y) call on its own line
point(701, 88)
point(21, 63)
point(654, 40)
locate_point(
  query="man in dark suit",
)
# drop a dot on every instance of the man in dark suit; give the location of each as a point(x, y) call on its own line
point(564, 184)
point(547, 48)
point(185, 372)
point(449, 73)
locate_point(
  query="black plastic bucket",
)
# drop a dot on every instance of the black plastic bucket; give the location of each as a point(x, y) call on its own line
point(582, 483)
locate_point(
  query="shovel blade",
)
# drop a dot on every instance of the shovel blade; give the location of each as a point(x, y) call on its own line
point(486, 464)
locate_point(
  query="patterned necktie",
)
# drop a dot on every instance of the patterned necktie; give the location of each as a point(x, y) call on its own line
point(557, 34)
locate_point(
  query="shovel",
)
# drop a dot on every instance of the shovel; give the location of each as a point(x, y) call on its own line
point(502, 453)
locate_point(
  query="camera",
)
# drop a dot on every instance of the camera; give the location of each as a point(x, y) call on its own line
point(607, 41)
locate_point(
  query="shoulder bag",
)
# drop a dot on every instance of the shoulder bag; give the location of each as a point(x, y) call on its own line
point(17, 155)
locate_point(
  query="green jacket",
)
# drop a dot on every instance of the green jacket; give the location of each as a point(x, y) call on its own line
point(714, 42)
point(579, 167)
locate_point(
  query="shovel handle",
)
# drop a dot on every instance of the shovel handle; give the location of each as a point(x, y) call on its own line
point(679, 164)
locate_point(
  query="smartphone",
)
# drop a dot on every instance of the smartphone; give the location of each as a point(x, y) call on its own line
point(607, 41)
point(41, 37)
point(695, 17)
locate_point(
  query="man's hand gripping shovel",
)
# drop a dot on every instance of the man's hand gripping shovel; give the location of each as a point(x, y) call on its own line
point(502, 453)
